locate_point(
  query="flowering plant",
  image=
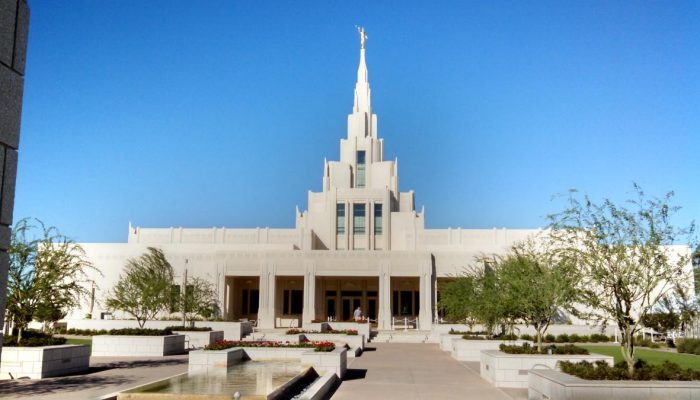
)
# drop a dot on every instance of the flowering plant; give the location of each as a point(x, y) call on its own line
point(228, 344)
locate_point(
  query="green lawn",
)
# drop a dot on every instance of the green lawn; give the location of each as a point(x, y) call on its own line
point(653, 357)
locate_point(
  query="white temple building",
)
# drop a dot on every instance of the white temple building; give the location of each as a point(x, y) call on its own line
point(361, 242)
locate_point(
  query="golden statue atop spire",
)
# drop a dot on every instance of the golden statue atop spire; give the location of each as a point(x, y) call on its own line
point(363, 36)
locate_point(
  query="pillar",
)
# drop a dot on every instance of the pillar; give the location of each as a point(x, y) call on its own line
point(266, 309)
point(309, 312)
point(425, 314)
point(384, 317)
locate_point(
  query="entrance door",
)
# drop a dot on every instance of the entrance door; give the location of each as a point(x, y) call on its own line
point(371, 311)
point(349, 306)
point(330, 308)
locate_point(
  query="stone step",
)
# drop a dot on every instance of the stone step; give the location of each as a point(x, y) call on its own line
point(403, 337)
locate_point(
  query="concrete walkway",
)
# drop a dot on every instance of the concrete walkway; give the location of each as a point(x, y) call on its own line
point(416, 371)
point(106, 375)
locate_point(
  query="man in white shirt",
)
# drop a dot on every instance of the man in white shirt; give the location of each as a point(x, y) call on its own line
point(358, 314)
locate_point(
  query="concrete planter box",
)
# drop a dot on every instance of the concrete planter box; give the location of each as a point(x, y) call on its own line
point(207, 360)
point(470, 350)
point(362, 329)
point(232, 330)
point(199, 339)
point(549, 384)
point(332, 361)
point(445, 341)
point(511, 370)
point(354, 341)
point(44, 362)
point(204, 360)
point(275, 337)
point(137, 346)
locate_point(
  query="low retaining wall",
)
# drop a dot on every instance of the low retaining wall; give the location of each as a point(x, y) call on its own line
point(275, 337)
point(137, 346)
point(549, 384)
point(334, 361)
point(362, 329)
point(199, 339)
point(511, 370)
point(321, 389)
point(470, 350)
point(445, 340)
point(44, 362)
point(232, 330)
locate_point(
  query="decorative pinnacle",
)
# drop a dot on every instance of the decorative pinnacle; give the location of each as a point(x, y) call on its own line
point(363, 35)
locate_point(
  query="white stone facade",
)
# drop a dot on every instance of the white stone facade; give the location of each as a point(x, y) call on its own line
point(137, 346)
point(44, 362)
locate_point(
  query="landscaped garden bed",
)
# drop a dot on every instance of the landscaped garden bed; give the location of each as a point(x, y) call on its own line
point(660, 382)
point(509, 366)
point(469, 349)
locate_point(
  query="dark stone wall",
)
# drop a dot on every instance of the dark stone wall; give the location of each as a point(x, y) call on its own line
point(14, 26)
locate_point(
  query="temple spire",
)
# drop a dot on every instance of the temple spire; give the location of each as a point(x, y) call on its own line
point(362, 91)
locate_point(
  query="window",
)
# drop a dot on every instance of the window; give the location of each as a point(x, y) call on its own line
point(340, 215)
point(377, 219)
point(293, 302)
point(358, 214)
point(360, 175)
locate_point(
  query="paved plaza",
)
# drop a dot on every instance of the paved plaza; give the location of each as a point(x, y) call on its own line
point(416, 371)
point(106, 375)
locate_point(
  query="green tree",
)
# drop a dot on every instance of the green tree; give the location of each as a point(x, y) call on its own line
point(624, 256)
point(143, 290)
point(536, 286)
point(198, 299)
point(47, 275)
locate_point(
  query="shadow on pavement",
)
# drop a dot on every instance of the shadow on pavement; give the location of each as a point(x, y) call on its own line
point(352, 374)
point(26, 387)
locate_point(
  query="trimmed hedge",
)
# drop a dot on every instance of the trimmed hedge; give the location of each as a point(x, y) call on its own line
point(572, 338)
point(125, 332)
point(526, 348)
point(32, 338)
point(690, 346)
point(349, 332)
point(600, 370)
point(189, 328)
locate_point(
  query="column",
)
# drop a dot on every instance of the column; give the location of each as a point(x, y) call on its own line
point(229, 298)
point(384, 317)
point(266, 310)
point(309, 312)
point(425, 315)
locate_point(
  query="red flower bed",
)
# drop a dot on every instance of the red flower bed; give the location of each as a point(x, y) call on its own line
point(228, 344)
point(295, 331)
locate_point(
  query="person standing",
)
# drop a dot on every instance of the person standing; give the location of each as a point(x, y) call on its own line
point(358, 314)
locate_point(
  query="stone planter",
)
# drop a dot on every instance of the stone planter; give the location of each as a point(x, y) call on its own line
point(44, 362)
point(332, 361)
point(204, 360)
point(362, 329)
point(511, 370)
point(354, 341)
point(470, 350)
point(550, 384)
point(446, 341)
point(199, 339)
point(137, 346)
point(275, 337)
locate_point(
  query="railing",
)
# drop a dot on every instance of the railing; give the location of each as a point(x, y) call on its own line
point(405, 322)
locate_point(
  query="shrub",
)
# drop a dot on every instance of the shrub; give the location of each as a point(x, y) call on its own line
point(597, 337)
point(670, 344)
point(473, 337)
point(526, 348)
point(600, 370)
point(189, 328)
point(563, 338)
point(690, 346)
point(32, 338)
point(549, 338)
point(574, 338)
point(525, 336)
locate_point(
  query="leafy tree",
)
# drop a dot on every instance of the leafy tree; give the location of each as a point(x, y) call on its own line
point(455, 299)
point(661, 321)
point(623, 256)
point(536, 286)
point(143, 290)
point(47, 275)
point(198, 299)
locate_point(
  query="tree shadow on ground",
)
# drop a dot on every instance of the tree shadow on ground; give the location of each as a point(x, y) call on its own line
point(27, 387)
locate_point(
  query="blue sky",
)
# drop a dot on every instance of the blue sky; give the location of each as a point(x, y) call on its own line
point(220, 113)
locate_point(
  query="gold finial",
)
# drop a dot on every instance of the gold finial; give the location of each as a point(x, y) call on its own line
point(363, 36)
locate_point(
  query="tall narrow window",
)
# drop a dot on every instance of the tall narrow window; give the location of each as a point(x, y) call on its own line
point(358, 214)
point(340, 215)
point(377, 219)
point(360, 176)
